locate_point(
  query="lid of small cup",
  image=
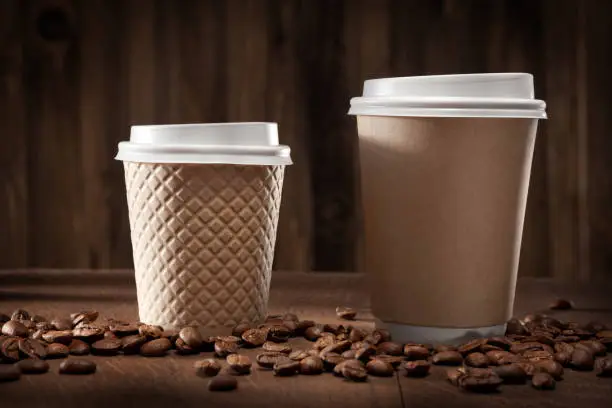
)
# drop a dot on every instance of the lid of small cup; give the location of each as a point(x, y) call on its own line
point(248, 143)
point(500, 95)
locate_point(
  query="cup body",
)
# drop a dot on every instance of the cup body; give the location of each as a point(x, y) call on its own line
point(203, 240)
point(444, 202)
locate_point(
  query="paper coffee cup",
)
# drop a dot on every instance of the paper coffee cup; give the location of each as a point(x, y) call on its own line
point(445, 166)
point(203, 205)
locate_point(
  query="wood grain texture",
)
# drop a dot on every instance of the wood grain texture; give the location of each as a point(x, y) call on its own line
point(137, 381)
point(66, 101)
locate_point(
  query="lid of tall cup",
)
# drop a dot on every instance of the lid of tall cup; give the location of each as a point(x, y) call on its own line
point(499, 95)
point(247, 143)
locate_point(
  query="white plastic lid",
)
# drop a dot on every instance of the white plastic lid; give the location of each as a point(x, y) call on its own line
point(246, 143)
point(500, 95)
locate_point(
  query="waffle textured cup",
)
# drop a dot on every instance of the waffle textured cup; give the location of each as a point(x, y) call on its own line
point(203, 240)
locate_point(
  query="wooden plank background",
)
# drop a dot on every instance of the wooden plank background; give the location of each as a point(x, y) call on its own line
point(75, 74)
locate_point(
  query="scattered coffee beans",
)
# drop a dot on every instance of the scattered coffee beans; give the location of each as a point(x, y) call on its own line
point(62, 324)
point(225, 348)
point(285, 368)
point(33, 366)
point(192, 337)
point(223, 383)
point(543, 381)
point(311, 365)
point(254, 337)
point(58, 336)
point(418, 352)
point(277, 347)
point(390, 348)
point(582, 359)
point(511, 373)
point(30, 348)
point(484, 381)
point(354, 373)
point(155, 348)
point(106, 347)
point(551, 367)
point(132, 344)
point(447, 358)
point(151, 332)
point(346, 313)
point(416, 368)
point(207, 368)
point(79, 348)
point(15, 328)
point(477, 359)
point(269, 359)
point(379, 368)
point(77, 367)
point(20, 314)
point(241, 364)
point(57, 350)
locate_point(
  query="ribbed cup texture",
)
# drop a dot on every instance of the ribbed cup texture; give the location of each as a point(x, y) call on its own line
point(203, 241)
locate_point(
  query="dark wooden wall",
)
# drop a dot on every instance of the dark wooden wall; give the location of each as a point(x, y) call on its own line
point(75, 74)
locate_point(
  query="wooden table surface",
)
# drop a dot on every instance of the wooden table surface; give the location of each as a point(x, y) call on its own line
point(127, 381)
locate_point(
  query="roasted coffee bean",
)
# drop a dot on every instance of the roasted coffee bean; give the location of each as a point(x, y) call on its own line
point(520, 348)
point(20, 314)
point(561, 304)
point(543, 381)
point(32, 348)
point(313, 333)
point(529, 368)
point(9, 349)
point(454, 375)
point(241, 364)
point(488, 347)
point(207, 368)
point(356, 335)
point(562, 358)
point(551, 367)
point(413, 353)
point(324, 341)
point(544, 338)
point(346, 313)
point(501, 342)
point(596, 347)
point(603, 367)
point(566, 339)
point(378, 336)
point(33, 366)
point(332, 328)
point(353, 373)
point(268, 359)
point(9, 373)
point(582, 360)
point(360, 344)
point(62, 324)
point(379, 368)
point(395, 361)
point(286, 368)
point(537, 355)
point(416, 368)
point(131, 344)
point(183, 348)
point(229, 339)
point(337, 371)
point(124, 329)
point(45, 326)
point(447, 358)
point(4, 318)
point(349, 354)
point(364, 354)
point(298, 355)
point(38, 335)
point(58, 336)
point(515, 326)
point(390, 348)
point(77, 367)
point(471, 346)
point(302, 326)
point(240, 328)
point(15, 328)
point(191, 336)
point(254, 337)
point(511, 373)
point(311, 366)
point(155, 348)
point(223, 383)
point(86, 316)
point(439, 348)
point(171, 335)
point(150, 331)
point(106, 347)
point(485, 381)
point(501, 357)
point(38, 319)
point(279, 333)
point(564, 347)
point(277, 347)
point(337, 347)
point(79, 348)
point(330, 360)
point(57, 350)
point(478, 360)
point(88, 333)
point(224, 348)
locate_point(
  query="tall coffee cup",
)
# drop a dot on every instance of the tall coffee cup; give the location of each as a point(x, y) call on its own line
point(445, 166)
point(203, 203)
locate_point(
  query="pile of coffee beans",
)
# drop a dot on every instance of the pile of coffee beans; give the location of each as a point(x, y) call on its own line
point(536, 349)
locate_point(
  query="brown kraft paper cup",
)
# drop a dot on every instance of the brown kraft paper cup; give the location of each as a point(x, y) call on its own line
point(444, 203)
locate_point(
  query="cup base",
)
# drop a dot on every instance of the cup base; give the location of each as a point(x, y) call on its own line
point(439, 335)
